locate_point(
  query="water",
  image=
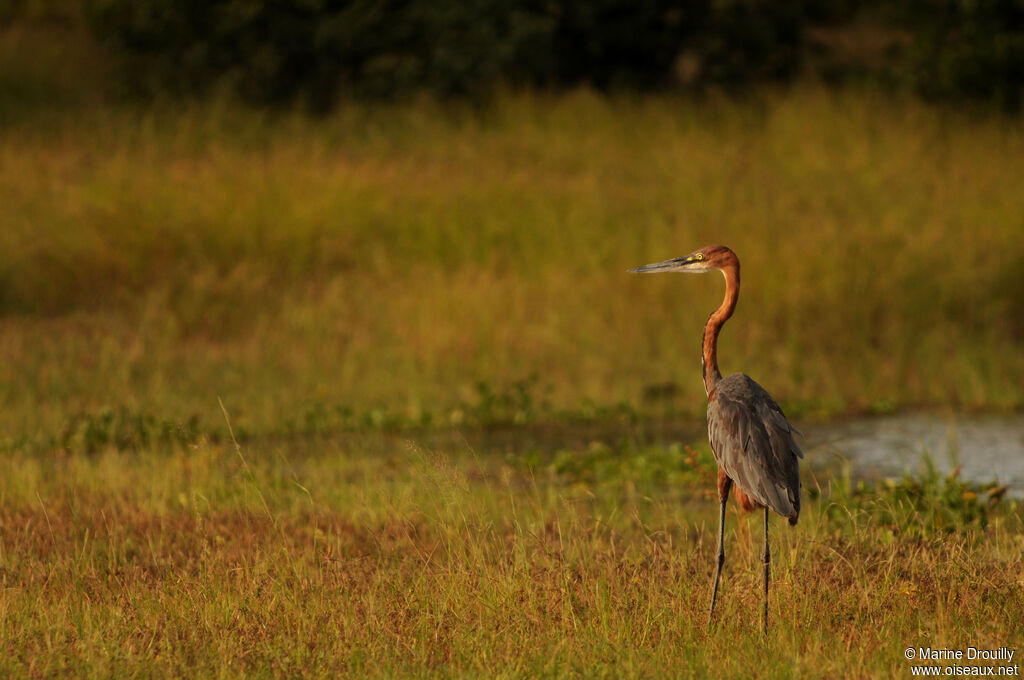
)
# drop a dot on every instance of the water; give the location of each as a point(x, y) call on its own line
point(986, 448)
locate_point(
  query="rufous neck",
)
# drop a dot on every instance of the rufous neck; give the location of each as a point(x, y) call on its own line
point(715, 323)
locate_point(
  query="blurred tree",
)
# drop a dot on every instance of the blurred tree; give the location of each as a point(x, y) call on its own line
point(58, 11)
point(967, 49)
point(318, 50)
point(609, 43)
point(753, 41)
point(280, 50)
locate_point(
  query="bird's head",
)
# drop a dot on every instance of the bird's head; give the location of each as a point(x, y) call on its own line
point(704, 260)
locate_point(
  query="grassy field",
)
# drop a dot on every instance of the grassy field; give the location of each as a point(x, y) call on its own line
point(378, 557)
point(395, 258)
point(377, 295)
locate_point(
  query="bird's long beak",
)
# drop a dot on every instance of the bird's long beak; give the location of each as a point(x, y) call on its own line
point(678, 264)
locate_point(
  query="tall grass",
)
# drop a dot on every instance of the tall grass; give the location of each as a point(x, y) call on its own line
point(348, 560)
point(390, 268)
point(396, 256)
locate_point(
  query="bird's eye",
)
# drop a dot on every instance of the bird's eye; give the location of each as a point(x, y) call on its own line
point(699, 256)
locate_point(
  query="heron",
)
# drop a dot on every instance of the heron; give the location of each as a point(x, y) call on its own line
point(750, 437)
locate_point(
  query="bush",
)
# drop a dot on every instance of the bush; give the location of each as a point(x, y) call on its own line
point(616, 43)
point(968, 50)
point(316, 50)
point(751, 41)
point(281, 50)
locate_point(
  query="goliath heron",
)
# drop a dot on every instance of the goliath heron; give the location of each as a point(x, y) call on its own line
point(750, 437)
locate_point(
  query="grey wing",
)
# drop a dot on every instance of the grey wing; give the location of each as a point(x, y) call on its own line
point(753, 442)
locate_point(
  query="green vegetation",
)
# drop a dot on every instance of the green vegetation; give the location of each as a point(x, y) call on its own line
point(322, 52)
point(459, 428)
point(392, 259)
point(407, 264)
point(373, 557)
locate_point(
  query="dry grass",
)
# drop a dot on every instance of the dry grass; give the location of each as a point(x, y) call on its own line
point(394, 268)
point(338, 562)
point(392, 258)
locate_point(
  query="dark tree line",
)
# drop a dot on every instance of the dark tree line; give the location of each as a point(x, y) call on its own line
point(318, 51)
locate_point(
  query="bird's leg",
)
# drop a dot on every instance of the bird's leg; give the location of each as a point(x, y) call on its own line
point(724, 484)
point(767, 557)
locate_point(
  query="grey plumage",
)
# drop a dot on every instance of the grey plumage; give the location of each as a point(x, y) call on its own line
point(753, 442)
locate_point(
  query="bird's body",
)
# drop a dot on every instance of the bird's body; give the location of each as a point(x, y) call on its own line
point(753, 445)
point(750, 437)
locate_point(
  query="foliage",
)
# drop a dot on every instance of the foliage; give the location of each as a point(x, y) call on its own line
point(124, 430)
point(610, 43)
point(753, 42)
point(919, 505)
point(283, 50)
point(274, 51)
point(54, 11)
point(315, 51)
point(324, 51)
point(968, 50)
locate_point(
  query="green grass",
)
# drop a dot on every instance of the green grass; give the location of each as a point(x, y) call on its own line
point(393, 258)
point(451, 399)
point(388, 260)
point(377, 558)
